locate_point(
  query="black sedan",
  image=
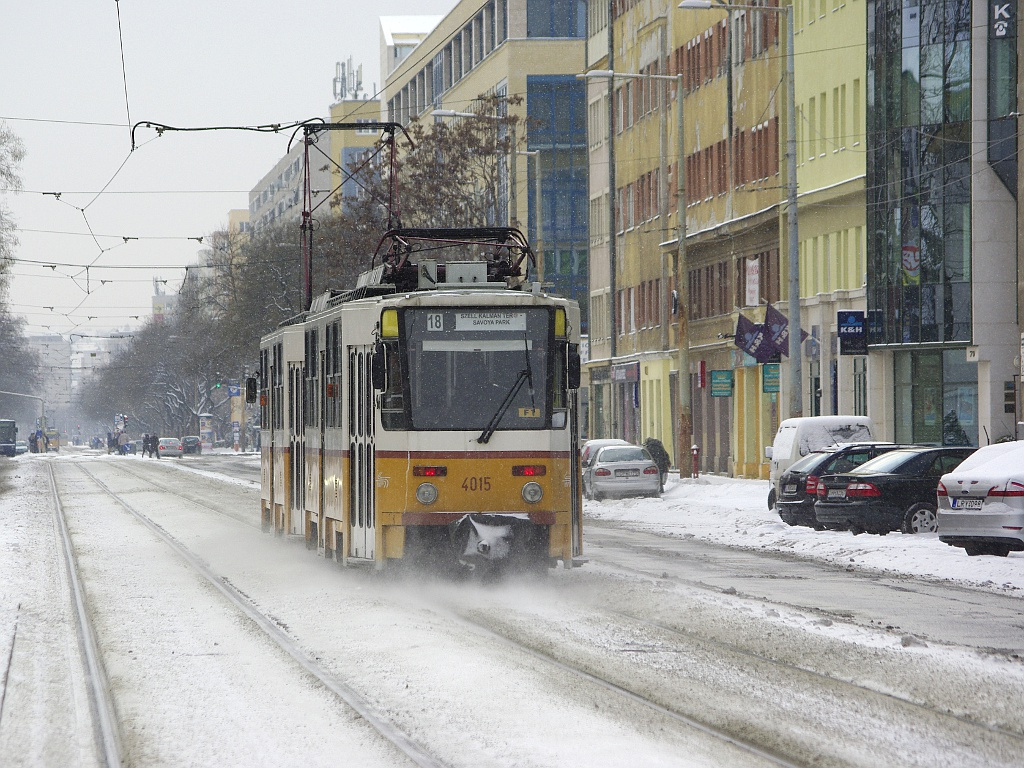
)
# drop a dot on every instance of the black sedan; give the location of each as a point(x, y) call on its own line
point(799, 483)
point(893, 492)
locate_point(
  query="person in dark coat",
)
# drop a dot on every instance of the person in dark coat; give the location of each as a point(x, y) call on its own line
point(657, 450)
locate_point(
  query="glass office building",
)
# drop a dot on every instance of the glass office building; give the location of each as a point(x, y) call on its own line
point(922, 178)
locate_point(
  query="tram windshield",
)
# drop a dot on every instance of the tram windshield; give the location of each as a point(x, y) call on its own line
point(480, 369)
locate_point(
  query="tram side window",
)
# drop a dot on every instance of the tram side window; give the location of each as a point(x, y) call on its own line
point(310, 390)
point(277, 381)
point(264, 398)
point(392, 400)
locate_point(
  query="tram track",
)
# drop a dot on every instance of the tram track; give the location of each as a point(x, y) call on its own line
point(610, 689)
point(779, 739)
point(103, 713)
point(649, 639)
point(417, 754)
point(617, 689)
point(790, 668)
point(247, 520)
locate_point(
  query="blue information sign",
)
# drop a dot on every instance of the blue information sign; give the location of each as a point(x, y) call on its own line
point(853, 333)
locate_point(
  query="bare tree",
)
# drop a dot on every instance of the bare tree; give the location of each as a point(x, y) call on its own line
point(452, 175)
point(19, 365)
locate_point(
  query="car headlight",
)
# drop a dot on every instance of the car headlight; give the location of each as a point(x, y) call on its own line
point(532, 492)
point(426, 493)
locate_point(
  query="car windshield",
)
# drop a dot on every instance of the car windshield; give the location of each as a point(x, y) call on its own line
point(623, 453)
point(887, 462)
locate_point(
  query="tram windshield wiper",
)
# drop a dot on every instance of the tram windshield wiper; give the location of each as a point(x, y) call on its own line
point(524, 376)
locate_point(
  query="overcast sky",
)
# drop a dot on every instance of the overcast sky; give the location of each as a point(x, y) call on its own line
point(185, 63)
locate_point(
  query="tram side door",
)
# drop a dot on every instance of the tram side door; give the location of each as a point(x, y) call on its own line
point(361, 454)
point(297, 449)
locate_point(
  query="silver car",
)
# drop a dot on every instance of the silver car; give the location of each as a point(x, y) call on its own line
point(981, 504)
point(622, 470)
point(589, 452)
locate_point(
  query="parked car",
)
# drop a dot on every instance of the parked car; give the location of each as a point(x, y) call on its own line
point(981, 505)
point(20, 447)
point(590, 448)
point(589, 451)
point(623, 470)
point(798, 486)
point(169, 446)
point(892, 492)
point(799, 436)
point(192, 444)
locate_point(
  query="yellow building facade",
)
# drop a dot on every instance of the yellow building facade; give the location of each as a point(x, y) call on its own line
point(734, 184)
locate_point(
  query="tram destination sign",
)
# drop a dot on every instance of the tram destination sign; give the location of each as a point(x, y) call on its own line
point(490, 321)
point(853, 333)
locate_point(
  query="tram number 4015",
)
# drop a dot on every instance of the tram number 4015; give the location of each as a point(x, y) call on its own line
point(476, 484)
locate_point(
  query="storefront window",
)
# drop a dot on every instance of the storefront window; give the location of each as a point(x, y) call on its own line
point(935, 398)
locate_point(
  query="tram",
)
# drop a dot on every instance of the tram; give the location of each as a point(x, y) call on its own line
point(429, 415)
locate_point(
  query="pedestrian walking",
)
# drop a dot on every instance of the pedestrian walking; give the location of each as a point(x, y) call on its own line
point(154, 445)
point(657, 450)
point(122, 443)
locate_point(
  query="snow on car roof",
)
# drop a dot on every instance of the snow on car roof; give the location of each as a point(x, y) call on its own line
point(993, 463)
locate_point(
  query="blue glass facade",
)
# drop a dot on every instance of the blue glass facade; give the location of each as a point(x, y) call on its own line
point(556, 107)
point(919, 171)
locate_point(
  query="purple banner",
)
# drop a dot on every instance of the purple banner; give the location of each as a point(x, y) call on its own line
point(777, 326)
point(752, 339)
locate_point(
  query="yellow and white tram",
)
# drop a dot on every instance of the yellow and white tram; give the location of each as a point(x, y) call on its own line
point(429, 415)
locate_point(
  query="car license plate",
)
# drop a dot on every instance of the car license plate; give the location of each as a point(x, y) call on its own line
point(627, 473)
point(837, 493)
point(790, 488)
point(966, 503)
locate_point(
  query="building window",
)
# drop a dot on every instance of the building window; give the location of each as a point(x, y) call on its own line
point(556, 18)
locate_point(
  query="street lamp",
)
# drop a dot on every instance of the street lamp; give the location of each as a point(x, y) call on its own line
point(538, 238)
point(513, 212)
point(681, 268)
point(796, 394)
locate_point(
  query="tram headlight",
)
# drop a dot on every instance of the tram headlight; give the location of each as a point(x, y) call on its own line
point(532, 493)
point(426, 493)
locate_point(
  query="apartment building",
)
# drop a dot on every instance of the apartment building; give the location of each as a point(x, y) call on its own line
point(647, 323)
point(832, 159)
point(531, 49)
point(278, 195)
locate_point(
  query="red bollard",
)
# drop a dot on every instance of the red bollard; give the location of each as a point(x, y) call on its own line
point(695, 450)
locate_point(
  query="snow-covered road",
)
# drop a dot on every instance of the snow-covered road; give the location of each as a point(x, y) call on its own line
point(601, 666)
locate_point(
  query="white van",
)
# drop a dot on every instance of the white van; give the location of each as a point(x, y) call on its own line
point(799, 436)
